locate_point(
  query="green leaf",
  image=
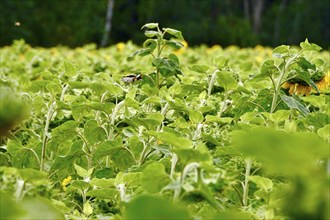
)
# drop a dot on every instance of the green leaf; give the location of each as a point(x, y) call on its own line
point(309, 46)
point(154, 177)
point(195, 116)
point(292, 103)
point(87, 208)
point(151, 34)
point(81, 171)
point(210, 139)
point(115, 90)
point(305, 64)
point(136, 146)
point(262, 182)
point(99, 88)
point(174, 44)
point(104, 107)
point(46, 209)
point(290, 154)
point(79, 184)
point(10, 209)
point(132, 103)
point(220, 120)
point(175, 89)
point(268, 69)
point(306, 77)
point(199, 154)
point(150, 25)
point(93, 133)
point(199, 68)
point(317, 119)
point(70, 70)
point(174, 140)
point(227, 80)
point(102, 183)
point(158, 209)
point(177, 34)
point(64, 132)
point(151, 44)
point(122, 158)
point(105, 148)
point(142, 52)
point(221, 62)
point(278, 116)
point(324, 133)
point(112, 194)
point(29, 175)
point(130, 179)
point(156, 116)
point(78, 84)
point(54, 88)
point(281, 51)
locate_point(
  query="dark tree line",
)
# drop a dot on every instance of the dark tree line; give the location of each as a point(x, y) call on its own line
point(224, 22)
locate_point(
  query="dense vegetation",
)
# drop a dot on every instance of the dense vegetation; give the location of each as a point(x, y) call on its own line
point(226, 22)
point(207, 133)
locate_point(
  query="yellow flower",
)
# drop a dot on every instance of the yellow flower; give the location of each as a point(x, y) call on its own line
point(213, 48)
point(120, 46)
point(259, 59)
point(323, 83)
point(259, 48)
point(66, 182)
point(299, 89)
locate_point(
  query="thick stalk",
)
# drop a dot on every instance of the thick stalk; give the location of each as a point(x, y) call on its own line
point(279, 82)
point(211, 83)
point(44, 139)
point(248, 164)
point(49, 116)
point(224, 104)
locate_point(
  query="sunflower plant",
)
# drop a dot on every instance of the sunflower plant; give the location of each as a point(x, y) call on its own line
point(293, 67)
point(166, 66)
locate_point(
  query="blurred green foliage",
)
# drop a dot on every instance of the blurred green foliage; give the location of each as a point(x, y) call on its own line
point(74, 22)
point(12, 109)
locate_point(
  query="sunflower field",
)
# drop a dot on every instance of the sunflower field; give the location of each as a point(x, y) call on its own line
point(164, 131)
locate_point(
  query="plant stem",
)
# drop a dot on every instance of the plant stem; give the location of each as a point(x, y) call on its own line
point(248, 164)
point(50, 113)
point(211, 83)
point(49, 116)
point(223, 104)
point(279, 81)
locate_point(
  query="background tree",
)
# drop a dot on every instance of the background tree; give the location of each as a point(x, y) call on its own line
point(226, 22)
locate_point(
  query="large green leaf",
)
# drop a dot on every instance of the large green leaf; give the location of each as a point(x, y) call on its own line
point(177, 34)
point(64, 132)
point(93, 133)
point(150, 25)
point(174, 140)
point(281, 152)
point(70, 70)
point(262, 182)
point(112, 194)
point(154, 177)
point(226, 80)
point(292, 103)
point(155, 208)
point(195, 116)
point(309, 46)
point(106, 147)
point(268, 69)
point(281, 51)
point(199, 68)
point(122, 157)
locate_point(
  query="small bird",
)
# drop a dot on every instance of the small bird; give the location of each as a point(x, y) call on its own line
point(131, 78)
